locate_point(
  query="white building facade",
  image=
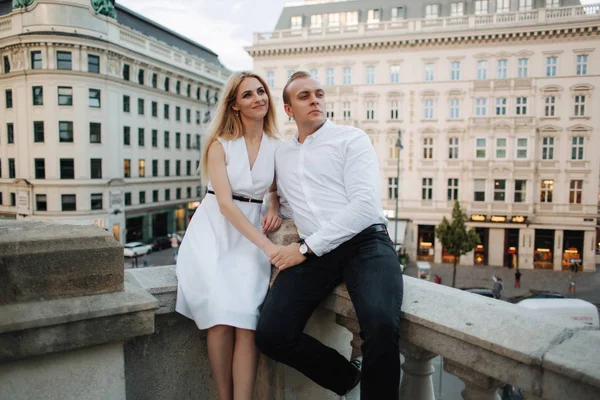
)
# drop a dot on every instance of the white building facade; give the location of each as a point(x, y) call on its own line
point(101, 118)
point(495, 103)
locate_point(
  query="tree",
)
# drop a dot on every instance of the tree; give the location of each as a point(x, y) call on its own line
point(455, 237)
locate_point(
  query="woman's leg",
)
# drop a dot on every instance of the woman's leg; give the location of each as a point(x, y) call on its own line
point(220, 342)
point(245, 362)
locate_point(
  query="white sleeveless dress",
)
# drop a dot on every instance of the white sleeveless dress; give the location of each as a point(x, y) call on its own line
point(223, 277)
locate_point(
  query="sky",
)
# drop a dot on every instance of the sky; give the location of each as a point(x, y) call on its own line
point(224, 26)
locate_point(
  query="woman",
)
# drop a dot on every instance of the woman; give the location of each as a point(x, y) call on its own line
point(223, 268)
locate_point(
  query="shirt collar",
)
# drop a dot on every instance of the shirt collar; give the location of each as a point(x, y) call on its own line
point(328, 124)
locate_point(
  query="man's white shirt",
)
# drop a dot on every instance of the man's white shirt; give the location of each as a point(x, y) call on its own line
point(332, 183)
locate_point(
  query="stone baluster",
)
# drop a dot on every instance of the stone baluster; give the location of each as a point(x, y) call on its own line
point(417, 376)
point(477, 385)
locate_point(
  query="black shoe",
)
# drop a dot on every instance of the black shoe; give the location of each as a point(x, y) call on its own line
point(357, 363)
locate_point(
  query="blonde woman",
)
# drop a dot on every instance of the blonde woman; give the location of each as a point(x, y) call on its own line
point(223, 266)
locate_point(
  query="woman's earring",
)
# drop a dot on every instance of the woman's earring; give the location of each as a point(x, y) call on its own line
point(238, 113)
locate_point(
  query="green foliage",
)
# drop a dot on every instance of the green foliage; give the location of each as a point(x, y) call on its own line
point(454, 236)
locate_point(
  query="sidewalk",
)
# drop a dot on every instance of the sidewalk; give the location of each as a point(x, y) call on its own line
point(587, 283)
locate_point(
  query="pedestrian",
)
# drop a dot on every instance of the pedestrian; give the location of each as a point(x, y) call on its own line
point(134, 261)
point(437, 279)
point(497, 289)
point(517, 278)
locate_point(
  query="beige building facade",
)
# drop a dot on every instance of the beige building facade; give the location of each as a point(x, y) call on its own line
point(495, 106)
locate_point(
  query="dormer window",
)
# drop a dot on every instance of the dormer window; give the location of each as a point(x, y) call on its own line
point(432, 11)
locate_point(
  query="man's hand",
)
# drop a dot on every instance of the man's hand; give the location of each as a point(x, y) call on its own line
point(270, 222)
point(288, 256)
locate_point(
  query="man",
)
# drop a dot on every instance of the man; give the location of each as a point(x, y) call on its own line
point(330, 176)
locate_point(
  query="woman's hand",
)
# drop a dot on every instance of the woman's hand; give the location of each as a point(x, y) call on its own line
point(270, 222)
point(271, 250)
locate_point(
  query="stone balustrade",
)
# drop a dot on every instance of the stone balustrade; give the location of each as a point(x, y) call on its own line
point(97, 342)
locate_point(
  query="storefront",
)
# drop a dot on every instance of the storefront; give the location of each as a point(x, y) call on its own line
point(426, 243)
point(135, 229)
point(160, 224)
point(480, 253)
point(511, 248)
point(543, 253)
point(572, 256)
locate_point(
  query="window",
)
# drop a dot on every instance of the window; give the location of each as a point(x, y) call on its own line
point(166, 139)
point(65, 132)
point(126, 72)
point(67, 168)
point(455, 70)
point(127, 168)
point(178, 168)
point(154, 109)
point(68, 202)
point(347, 110)
point(178, 193)
point(93, 64)
point(178, 87)
point(154, 80)
point(141, 168)
point(188, 141)
point(141, 76)
point(499, 190)
point(38, 95)
point(167, 84)
point(155, 196)
point(296, 22)
point(12, 172)
point(329, 78)
point(394, 110)
point(127, 198)
point(482, 69)
point(188, 167)
point(397, 13)
point(457, 9)
point(428, 109)
point(429, 72)
point(10, 133)
point(197, 117)
point(177, 113)
point(548, 148)
point(314, 73)
point(9, 98)
point(188, 90)
point(395, 73)
point(316, 20)
point(502, 6)
point(36, 60)
point(453, 148)
point(428, 148)
point(197, 146)
point(141, 137)
point(40, 168)
point(452, 189)
point(167, 168)
point(142, 197)
point(582, 60)
point(126, 136)
point(522, 148)
point(167, 194)
point(551, 63)
point(373, 16)
point(154, 167)
point(141, 106)
point(432, 11)
point(65, 96)
point(392, 188)
point(501, 148)
point(522, 64)
point(333, 20)
point(96, 201)
point(189, 192)
point(188, 116)
point(352, 18)
point(479, 190)
point(329, 110)
point(502, 69)
point(96, 168)
point(501, 106)
point(94, 98)
point(126, 104)
point(154, 138)
point(41, 203)
point(63, 60)
point(480, 148)
point(550, 106)
point(579, 106)
point(166, 111)
point(370, 75)
point(546, 191)
point(552, 3)
point(13, 199)
point(38, 132)
point(575, 191)
point(481, 7)
point(577, 148)
point(427, 189)
point(525, 5)
point(454, 108)
point(521, 105)
point(177, 140)
point(370, 110)
point(481, 107)
point(6, 65)
point(95, 132)
point(520, 191)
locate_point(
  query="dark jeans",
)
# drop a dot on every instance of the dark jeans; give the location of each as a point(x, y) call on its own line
point(369, 266)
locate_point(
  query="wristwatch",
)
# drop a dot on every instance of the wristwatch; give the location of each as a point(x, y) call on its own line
point(303, 249)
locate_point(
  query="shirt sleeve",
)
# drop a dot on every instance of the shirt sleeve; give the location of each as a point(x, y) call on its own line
point(363, 189)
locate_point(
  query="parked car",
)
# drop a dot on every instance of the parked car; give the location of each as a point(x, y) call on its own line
point(480, 291)
point(136, 249)
point(160, 243)
point(536, 294)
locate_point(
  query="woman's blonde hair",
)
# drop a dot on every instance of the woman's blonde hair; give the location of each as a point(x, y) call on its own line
point(227, 123)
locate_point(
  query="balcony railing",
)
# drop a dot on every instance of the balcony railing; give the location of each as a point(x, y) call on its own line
point(539, 16)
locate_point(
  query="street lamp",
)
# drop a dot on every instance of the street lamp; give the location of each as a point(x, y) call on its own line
point(398, 148)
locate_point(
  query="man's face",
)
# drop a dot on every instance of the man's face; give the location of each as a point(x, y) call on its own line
point(307, 99)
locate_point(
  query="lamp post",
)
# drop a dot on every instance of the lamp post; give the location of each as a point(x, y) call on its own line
point(398, 148)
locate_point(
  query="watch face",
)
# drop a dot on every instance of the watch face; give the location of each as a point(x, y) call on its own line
point(303, 249)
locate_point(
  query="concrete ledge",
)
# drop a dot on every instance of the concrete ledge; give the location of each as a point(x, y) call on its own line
point(43, 260)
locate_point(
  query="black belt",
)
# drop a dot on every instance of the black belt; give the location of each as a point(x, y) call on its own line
point(241, 198)
point(374, 229)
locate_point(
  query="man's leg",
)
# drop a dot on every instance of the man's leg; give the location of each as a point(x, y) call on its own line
point(295, 294)
point(374, 282)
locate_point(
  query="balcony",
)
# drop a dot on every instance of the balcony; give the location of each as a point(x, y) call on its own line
point(96, 333)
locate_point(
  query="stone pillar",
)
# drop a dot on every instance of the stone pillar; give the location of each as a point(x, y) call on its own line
point(526, 244)
point(417, 376)
point(496, 247)
point(477, 385)
point(589, 251)
point(437, 258)
point(558, 249)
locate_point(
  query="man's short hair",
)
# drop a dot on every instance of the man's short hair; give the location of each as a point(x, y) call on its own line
point(295, 75)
